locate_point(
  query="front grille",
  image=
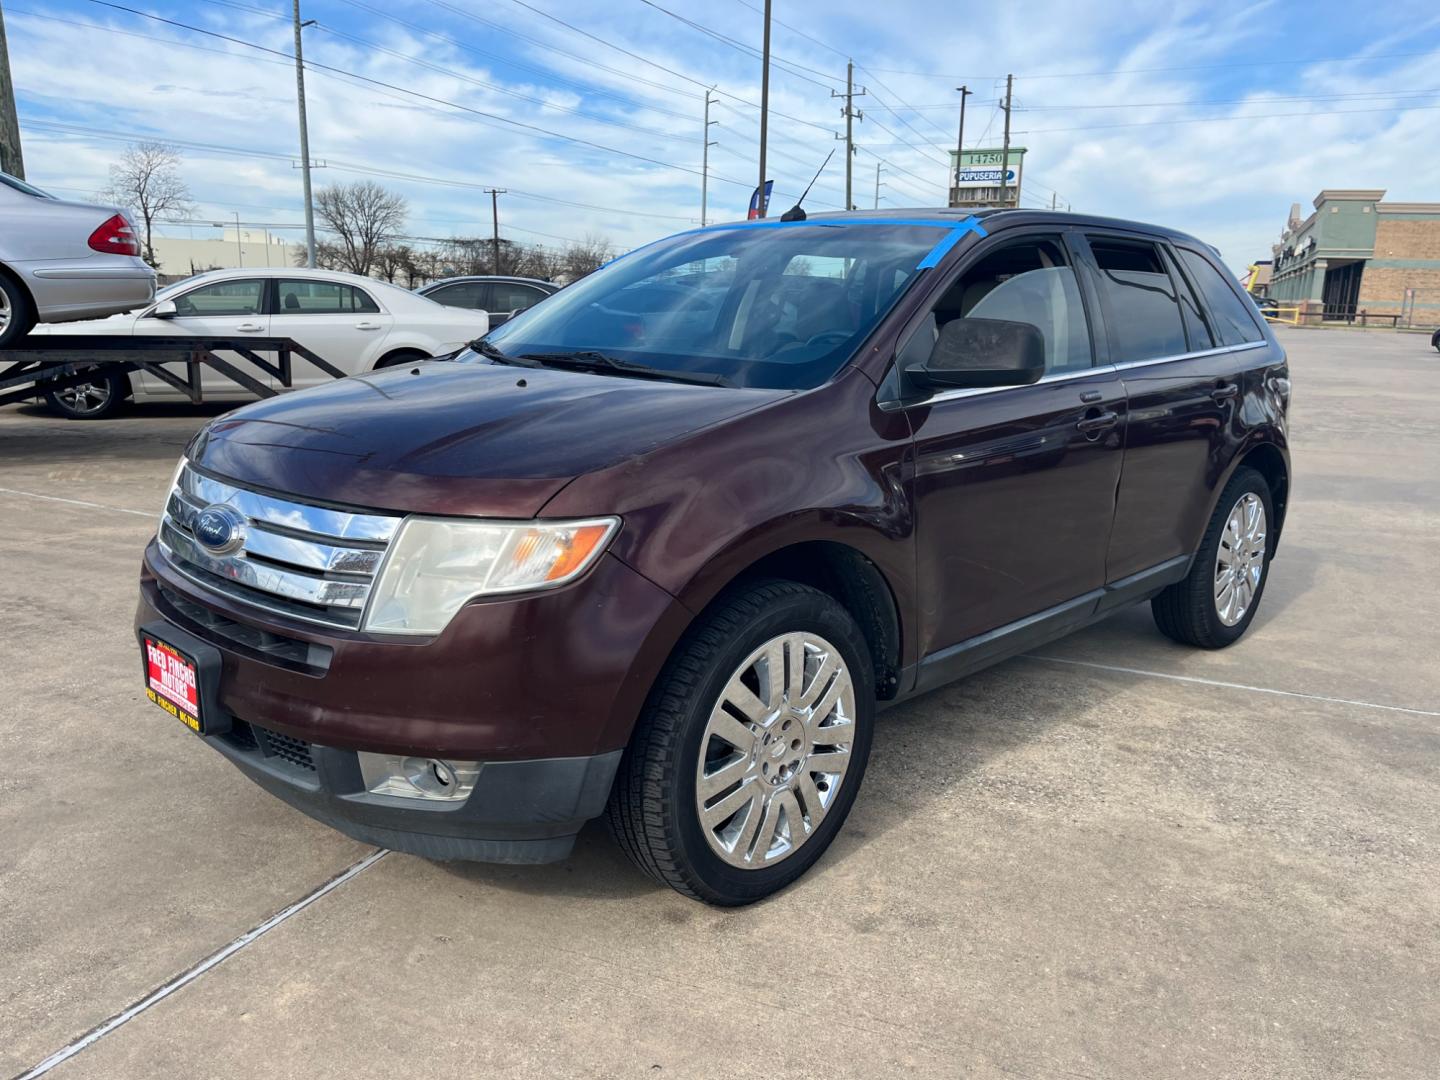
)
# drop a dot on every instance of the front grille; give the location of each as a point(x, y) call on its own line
point(249, 640)
point(296, 559)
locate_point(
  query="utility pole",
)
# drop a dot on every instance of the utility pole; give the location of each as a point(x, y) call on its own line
point(851, 114)
point(878, 164)
point(1054, 196)
point(705, 159)
point(965, 92)
point(1005, 163)
point(764, 112)
point(239, 240)
point(495, 194)
point(11, 160)
point(304, 138)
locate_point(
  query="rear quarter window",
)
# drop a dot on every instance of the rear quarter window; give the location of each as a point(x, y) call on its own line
point(1143, 311)
point(1231, 318)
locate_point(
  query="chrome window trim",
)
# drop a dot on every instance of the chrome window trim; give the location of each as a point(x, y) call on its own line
point(1070, 376)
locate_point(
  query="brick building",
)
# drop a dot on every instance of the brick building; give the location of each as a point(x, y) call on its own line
point(1359, 254)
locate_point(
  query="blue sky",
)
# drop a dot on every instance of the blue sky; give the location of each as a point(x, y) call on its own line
point(1209, 118)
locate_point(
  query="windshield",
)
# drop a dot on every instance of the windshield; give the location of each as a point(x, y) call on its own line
point(775, 306)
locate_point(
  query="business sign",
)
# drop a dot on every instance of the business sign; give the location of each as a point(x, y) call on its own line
point(983, 168)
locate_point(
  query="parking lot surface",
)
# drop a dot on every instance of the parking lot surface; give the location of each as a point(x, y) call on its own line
point(1114, 858)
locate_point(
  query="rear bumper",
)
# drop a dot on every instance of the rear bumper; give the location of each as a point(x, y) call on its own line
point(63, 293)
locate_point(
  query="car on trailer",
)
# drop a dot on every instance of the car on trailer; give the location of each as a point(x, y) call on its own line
point(357, 323)
point(662, 552)
point(62, 260)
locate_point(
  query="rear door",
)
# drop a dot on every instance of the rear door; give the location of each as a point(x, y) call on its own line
point(338, 321)
point(510, 298)
point(474, 295)
point(234, 307)
point(1013, 487)
point(1183, 369)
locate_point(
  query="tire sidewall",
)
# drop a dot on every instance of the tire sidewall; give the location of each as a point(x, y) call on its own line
point(117, 386)
point(22, 313)
point(812, 612)
point(1246, 481)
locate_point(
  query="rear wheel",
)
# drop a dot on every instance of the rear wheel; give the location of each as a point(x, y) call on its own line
point(1216, 602)
point(401, 356)
point(17, 313)
point(102, 396)
point(751, 749)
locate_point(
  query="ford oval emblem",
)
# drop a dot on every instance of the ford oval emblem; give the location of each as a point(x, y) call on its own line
point(219, 529)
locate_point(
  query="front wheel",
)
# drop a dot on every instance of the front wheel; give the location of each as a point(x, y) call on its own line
point(1218, 599)
point(17, 313)
point(751, 748)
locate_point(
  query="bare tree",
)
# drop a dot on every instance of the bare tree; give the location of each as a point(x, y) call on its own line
point(364, 218)
point(147, 183)
point(585, 256)
point(328, 256)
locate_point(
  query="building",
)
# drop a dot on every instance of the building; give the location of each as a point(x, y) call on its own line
point(1257, 277)
point(1358, 255)
point(181, 256)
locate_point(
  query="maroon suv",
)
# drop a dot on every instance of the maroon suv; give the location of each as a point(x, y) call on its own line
point(662, 546)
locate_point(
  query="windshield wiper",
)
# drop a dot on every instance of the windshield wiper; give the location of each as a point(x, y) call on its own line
point(591, 360)
point(484, 348)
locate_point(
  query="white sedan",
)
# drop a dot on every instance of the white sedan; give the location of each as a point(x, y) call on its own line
point(356, 323)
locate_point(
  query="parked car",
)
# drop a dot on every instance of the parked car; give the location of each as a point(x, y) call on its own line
point(500, 297)
point(1268, 306)
point(64, 260)
point(624, 558)
point(356, 323)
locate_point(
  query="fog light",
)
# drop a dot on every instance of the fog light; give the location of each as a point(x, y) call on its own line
point(418, 777)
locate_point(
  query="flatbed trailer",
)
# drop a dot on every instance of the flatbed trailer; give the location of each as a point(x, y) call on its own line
point(37, 365)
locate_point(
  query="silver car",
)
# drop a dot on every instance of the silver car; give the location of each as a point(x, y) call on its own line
point(64, 260)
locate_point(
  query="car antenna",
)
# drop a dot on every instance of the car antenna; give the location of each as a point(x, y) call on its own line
point(795, 213)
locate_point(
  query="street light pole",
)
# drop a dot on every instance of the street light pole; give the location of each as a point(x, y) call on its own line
point(965, 92)
point(764, 112)
point(304, 139)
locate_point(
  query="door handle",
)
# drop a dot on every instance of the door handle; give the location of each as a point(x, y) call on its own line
point(1225, 390)
point(1089, 397)
point(1093, 425)
point(367, 326)
point(249, 327)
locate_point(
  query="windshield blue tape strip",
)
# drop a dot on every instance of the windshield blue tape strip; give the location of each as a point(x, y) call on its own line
point(940, 250)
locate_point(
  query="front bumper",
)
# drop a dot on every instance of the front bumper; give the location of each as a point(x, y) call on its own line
point(543, 690)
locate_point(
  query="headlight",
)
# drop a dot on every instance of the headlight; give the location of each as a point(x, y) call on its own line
point(436, 564)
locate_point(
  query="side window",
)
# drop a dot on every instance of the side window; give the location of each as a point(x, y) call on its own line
point(305, 296)
point(222, 298)
point(1229, 315)
point(1196, 327)
point(1030, 281)
point(1143, 313)
point(509, 296)
point(463, 294)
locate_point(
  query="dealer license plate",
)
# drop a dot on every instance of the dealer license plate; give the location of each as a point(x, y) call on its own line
point(172, 682)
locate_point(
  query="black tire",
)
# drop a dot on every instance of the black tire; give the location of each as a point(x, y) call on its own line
point(652, 810)
point(1435, 340)
point(103, 396)
point(401, 356)
point(1186, 611)
point(17, 311)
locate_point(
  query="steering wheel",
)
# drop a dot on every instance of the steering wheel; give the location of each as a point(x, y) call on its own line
point(835, 337)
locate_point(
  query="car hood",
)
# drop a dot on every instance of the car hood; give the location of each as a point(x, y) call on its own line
point(448, 438)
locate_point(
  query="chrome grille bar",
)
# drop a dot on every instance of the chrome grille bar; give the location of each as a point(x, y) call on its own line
point(300, 560)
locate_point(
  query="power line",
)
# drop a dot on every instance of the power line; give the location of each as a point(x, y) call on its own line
point(491, 119)
point(1268, 62)
point(1229, 119)
point(748, 50)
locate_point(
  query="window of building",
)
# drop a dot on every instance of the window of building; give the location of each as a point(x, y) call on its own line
point(1143, 313)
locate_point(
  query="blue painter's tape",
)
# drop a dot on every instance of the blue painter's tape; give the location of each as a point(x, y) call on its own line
point(940, 250)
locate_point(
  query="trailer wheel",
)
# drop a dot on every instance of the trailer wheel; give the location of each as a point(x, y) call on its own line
point(95, 400)
point(17, 313)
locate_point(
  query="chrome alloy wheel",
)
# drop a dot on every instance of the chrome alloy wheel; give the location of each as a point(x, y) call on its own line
point(85, 398)
point(5, 312)
point(1240, 559)
point(775, 750)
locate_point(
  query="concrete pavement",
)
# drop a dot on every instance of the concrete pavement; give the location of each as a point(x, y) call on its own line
point(1055, 868)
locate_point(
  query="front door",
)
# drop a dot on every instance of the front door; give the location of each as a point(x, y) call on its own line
point(234, 307)
point(1013, 487)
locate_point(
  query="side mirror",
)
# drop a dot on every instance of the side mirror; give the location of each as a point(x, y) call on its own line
point(983, 352)
point(165, 309)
